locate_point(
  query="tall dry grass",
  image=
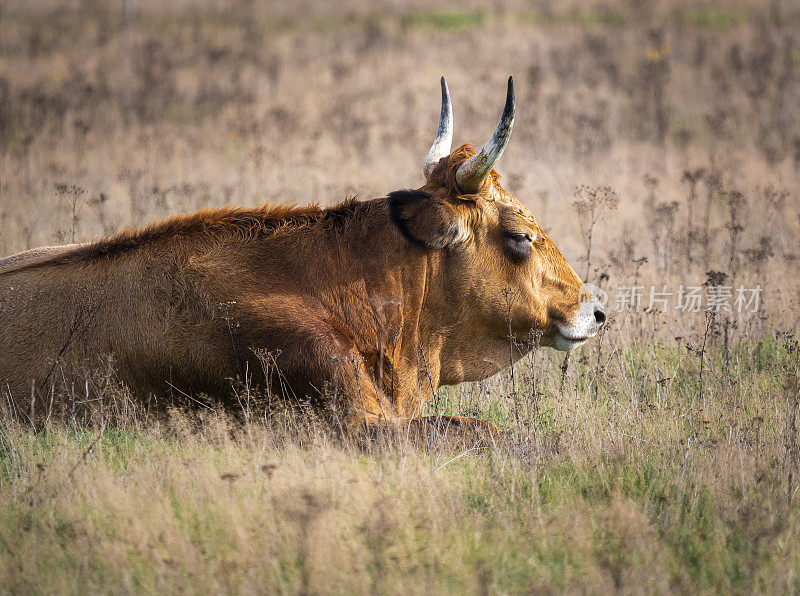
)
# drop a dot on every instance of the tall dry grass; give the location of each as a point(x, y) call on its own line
point(635, 477)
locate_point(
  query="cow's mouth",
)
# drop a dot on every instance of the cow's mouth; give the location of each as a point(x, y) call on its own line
point(566, 340)
point(563, 343)
point(575, 335)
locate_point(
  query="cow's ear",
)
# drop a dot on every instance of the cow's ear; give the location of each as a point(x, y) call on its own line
point(425, 220)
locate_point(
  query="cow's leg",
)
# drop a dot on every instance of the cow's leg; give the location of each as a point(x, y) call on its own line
point(453, 431)
point(313, 358)
point(322, 366)
point(356, 400)
point(318, 359)
point(359, 405)
point(477, 425)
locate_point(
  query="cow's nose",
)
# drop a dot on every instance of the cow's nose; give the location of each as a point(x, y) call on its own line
point(599, 315)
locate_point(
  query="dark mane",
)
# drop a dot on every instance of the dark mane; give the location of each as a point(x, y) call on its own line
point(210, 224)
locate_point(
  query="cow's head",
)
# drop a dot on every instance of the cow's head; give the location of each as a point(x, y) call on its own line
point(501, 273)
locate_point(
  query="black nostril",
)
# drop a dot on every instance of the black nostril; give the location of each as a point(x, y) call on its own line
point(600, 316)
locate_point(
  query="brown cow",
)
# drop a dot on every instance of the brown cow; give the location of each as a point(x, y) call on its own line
point(378, 302)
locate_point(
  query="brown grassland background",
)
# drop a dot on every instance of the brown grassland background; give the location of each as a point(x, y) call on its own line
point(656, 142)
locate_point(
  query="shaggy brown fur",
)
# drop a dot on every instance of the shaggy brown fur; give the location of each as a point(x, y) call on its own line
point(207, 224)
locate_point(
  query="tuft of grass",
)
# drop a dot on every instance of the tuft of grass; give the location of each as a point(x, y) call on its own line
point(447, 20)
point(712, 17)
point(604, 16)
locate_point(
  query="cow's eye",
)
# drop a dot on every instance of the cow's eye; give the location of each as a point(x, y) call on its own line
point(518, 245)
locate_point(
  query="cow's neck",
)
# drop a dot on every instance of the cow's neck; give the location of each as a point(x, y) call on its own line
point(398, 301)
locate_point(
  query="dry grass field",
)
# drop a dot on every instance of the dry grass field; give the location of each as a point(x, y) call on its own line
point(658, 143)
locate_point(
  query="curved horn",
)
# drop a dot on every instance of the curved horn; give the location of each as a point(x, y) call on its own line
point(472, 173)
point(444, 136)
